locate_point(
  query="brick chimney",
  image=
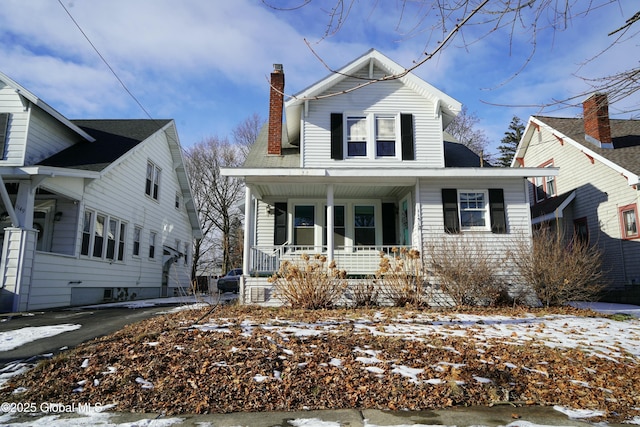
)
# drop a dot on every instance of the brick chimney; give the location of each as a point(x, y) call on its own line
point(276, 103)
point(596, 120)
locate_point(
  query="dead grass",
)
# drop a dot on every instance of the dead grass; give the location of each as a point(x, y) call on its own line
point(204, 371)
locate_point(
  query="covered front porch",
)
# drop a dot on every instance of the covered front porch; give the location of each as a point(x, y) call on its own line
point(349, 221)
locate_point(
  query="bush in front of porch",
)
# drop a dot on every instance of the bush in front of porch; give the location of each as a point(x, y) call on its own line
point(310, 283)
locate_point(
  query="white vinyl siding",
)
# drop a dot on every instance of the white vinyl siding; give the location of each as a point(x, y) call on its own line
point(600, 192)
point(384, 98)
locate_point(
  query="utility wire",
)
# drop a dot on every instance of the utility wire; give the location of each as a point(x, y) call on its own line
point(106, 62)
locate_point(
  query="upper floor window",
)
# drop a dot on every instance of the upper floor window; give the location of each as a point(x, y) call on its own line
point(629, 221)
point(386, 136)
point(357, 136)
point(545, 187)
point(4, 130)
point(372, 136)
point(178, 198)
point(152, 185)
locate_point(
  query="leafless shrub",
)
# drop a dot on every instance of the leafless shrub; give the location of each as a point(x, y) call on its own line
point(365, 293)
point(559, 270)
point(401, 279)
point(310, 284)
point(465, 270)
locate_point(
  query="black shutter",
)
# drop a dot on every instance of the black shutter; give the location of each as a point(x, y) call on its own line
point(4, 122)
point(497, 211)
point(450, 210)
point(280, 224)
point(336, 136)
point(406, 133)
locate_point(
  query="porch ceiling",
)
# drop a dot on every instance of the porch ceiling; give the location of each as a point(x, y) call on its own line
point(340, 190)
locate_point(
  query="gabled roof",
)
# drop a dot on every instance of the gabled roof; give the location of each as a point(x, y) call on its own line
point(625, 134)
point(445, 104)
point(43, 105)
point(113, 138)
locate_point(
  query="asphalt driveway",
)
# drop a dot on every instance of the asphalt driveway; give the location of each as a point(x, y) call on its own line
point(94, 323)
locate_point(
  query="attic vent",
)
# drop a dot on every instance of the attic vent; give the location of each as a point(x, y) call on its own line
point(258, 295)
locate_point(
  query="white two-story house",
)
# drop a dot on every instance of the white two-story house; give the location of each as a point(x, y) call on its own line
point(595, 197)
point(352, 172)
point(90, 210)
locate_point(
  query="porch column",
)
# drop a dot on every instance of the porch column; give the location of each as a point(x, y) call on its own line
point(329, 223)
point(418, 222)
point(249, 216)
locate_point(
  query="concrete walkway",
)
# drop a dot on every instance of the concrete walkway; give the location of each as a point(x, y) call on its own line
point(478, 416)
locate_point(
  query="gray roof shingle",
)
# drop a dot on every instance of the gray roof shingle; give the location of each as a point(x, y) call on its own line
point(624, 133)
point(114, 138)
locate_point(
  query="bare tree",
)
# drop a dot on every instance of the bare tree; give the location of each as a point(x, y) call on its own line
point(439, 22)
point(464, 129)
point(216, 196)
point(246, 133)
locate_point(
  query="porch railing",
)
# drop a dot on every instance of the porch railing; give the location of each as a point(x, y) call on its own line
point(356, 260)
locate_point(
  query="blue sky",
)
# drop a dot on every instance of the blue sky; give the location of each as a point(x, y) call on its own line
point(205, 63)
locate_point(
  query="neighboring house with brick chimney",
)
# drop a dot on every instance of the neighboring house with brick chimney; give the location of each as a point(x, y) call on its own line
point(353, 172)
point(596, 193)
point(91, 210)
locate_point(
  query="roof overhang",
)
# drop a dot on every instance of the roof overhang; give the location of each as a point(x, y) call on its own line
point(557, 213)
point(20, 90)
point(390, 173)
point(534, 124)
point(19, 172)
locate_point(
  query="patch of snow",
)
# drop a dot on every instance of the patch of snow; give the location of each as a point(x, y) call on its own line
point(374, 369)
point(144, 383)
point(335, 362)
point(406, 371)
point(10, 340)
point(578, 413)
point(313, 422)
point(85, 364)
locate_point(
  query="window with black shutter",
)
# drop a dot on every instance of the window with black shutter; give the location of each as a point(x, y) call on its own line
point(497, 211)
point(406, 134)
point(336, 136)
point(450, 210)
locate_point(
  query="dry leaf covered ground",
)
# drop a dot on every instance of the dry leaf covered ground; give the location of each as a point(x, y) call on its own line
point(260, 359)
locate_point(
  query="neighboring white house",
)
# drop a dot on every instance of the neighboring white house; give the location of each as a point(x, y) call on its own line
point(91, 210)
point(354, 172)
point(596, 193)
